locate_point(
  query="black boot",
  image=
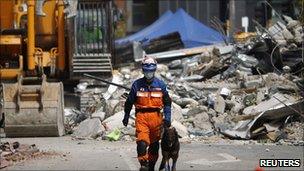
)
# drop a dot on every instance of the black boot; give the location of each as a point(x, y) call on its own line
point(144, 166)
point(151, 165)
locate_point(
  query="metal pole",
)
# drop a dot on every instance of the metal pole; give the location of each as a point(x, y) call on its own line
point(231, 17)
point(105, 81)
point(298, 112)
point(61, 34)
point(31, 34)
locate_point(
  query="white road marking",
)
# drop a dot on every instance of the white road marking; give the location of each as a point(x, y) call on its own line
point(128, 160)
point(228, 159)
point(228, 156)
point(201, 161)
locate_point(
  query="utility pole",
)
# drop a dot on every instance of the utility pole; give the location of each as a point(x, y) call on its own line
point(231, 17)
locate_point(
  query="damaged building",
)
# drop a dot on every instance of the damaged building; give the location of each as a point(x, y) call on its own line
point(250, 89)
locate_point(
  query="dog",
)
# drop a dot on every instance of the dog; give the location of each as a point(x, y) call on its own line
point(170, 148)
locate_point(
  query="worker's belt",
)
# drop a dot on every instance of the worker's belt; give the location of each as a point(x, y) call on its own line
point(142, 110)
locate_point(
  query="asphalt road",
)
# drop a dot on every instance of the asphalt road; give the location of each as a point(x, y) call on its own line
point(105, 155)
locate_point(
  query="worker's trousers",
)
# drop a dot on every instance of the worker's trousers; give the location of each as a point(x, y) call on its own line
point(148, 133)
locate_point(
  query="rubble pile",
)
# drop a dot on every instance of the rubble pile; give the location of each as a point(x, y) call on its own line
point(248, 90)
point(16, 152)
point(126, 51)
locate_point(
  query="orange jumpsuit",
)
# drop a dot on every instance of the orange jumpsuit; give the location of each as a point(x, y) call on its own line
point(149, 99)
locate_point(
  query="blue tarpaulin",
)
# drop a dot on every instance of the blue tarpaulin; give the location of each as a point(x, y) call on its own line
point(193, 33)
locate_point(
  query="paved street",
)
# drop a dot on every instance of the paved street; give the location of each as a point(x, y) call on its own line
point(104, 155)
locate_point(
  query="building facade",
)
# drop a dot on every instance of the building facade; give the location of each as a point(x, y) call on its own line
point(141, 13)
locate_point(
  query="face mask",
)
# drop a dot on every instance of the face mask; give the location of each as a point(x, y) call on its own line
point(149, 75)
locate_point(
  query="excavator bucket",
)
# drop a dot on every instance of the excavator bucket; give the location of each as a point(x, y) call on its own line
point(33, 110)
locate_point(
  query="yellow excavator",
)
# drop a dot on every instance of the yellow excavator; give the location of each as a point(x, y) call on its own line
point(44, 43)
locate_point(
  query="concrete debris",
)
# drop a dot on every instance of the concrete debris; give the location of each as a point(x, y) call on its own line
point(117, 78)
point(265, 112)
point(192, 78)
point(162, 68)
point(196, 110)
point(196, 132)
point(129, 130)
point(166, 42)
point(190, 51)
point(179, 53)
point(253, 83)
point(202, 122)
point(219, 104)
point(261, 95)
point(295, 131)
point(237, 107)
point(89, 128)
point(74, 116)
point(11, 153)
point(185, 112)
point(114, 121)
point(273, 131)
point(180, 128)
point(214, 85)
point(183, 102)
point(269, 104)
point(98, 114)
point(177, 113)
point(225, 92)
point(249, 99)
point(81, 87)
point(113, 106)
point(221, 122)
point(127, 138)
point(175, 64)
point(246, 90)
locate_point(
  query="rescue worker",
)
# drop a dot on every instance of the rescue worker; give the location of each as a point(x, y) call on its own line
point(149, 95)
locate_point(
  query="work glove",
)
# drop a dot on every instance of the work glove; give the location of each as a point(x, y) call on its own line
point(167, 123)
point(125, 120)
